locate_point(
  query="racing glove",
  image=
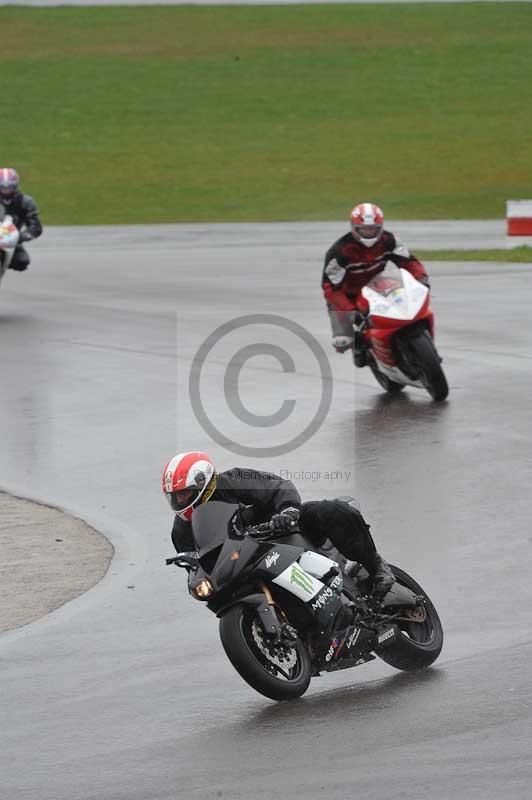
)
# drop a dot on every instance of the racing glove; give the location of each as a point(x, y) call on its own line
point(282, 523)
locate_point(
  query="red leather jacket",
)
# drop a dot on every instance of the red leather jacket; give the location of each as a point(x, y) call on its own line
point(349, 265)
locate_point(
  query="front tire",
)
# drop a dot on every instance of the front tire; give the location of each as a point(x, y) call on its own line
point(418, 644)
point(425, 357)
point(392, 387)
point(278, 671)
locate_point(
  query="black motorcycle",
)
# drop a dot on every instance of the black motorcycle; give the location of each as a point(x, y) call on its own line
point(289, 611)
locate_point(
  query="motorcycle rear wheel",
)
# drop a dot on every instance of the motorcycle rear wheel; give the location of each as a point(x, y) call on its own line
point(278, 671)
point(418, 644)
point(427, 360)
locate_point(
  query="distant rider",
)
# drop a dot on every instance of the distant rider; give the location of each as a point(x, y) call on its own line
point(351, 262)
point(190, 479)
point(24, 212)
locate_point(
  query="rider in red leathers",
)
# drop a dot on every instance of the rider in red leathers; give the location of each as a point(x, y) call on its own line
point(351, 262)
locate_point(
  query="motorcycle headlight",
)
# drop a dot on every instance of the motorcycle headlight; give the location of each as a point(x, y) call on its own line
point(203, 590)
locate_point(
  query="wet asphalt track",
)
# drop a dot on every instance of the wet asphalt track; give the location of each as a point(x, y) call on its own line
point(125, 694)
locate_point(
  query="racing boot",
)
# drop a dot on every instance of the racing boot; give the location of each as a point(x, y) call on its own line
point(342, 343)
point(360, 349)
point(382, 576)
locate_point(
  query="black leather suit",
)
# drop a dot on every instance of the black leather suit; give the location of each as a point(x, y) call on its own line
point(338, 520)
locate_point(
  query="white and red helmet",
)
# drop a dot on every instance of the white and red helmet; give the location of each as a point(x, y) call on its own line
point(9, 182)
point(189, 479)
point(367, 221)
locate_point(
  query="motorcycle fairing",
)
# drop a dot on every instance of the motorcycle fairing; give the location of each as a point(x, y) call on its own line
point(9, 236)
point(220, 544)
point(325, 602)
point(395, 295)
point(347, 647)
point(395, 300)
point(281, 566)
point(235, 556)
point(277, 560)
point(299, 582)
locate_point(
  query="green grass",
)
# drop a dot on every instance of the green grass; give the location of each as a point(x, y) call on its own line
point(515, 255)
point(170, 114)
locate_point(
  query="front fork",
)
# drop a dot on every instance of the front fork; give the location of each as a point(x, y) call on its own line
point(273, 627)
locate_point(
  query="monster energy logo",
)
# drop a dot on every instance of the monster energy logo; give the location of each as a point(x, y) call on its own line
point(301, 578)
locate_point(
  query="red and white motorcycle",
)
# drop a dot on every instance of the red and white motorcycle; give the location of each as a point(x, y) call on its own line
point(398, 329)
point(9, 236)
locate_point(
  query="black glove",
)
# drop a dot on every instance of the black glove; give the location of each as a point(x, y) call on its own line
point(25, 236)
point(283, 522)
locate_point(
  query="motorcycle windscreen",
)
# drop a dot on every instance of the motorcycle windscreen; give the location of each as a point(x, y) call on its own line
point(394, 293)
point(387, 282)
point(210, 525)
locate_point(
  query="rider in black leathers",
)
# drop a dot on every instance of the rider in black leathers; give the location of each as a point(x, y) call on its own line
point(273, 498)
point(25, 215)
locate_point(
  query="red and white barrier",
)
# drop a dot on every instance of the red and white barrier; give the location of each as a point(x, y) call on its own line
point(518, 223)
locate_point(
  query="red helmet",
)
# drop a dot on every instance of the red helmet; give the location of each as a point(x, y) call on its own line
point(188, 480)
point(366, 223)
point(9, 182)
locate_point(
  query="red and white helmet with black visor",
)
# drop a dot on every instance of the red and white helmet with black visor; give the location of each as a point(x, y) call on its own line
point(367, 221)
point(189, 479)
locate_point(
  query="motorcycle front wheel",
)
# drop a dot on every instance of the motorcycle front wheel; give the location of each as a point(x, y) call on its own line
point(280, 671)
point(425, 356)
point(392, 387)
point(420, 638)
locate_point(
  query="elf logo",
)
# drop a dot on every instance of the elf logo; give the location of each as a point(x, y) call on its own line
point(331, 651)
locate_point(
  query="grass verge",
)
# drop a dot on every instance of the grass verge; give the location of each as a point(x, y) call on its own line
point(515, 255)
point(169, 114)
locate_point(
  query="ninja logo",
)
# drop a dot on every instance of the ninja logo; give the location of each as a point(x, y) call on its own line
point(272, 559)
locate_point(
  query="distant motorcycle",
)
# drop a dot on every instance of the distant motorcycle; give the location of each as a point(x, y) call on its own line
point(288, 612)
point(9, 237)
point(398, 328)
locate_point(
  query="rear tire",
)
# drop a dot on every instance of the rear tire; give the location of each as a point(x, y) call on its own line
point(418, 644)
point(425, 358)
point(250, 654)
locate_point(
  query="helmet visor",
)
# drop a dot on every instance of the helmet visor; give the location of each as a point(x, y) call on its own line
point(6, 193)
point(183, 498)
point(367, 231)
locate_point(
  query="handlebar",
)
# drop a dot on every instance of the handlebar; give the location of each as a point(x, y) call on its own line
point(265, 528)
point(190, 559)
point(183, 560)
